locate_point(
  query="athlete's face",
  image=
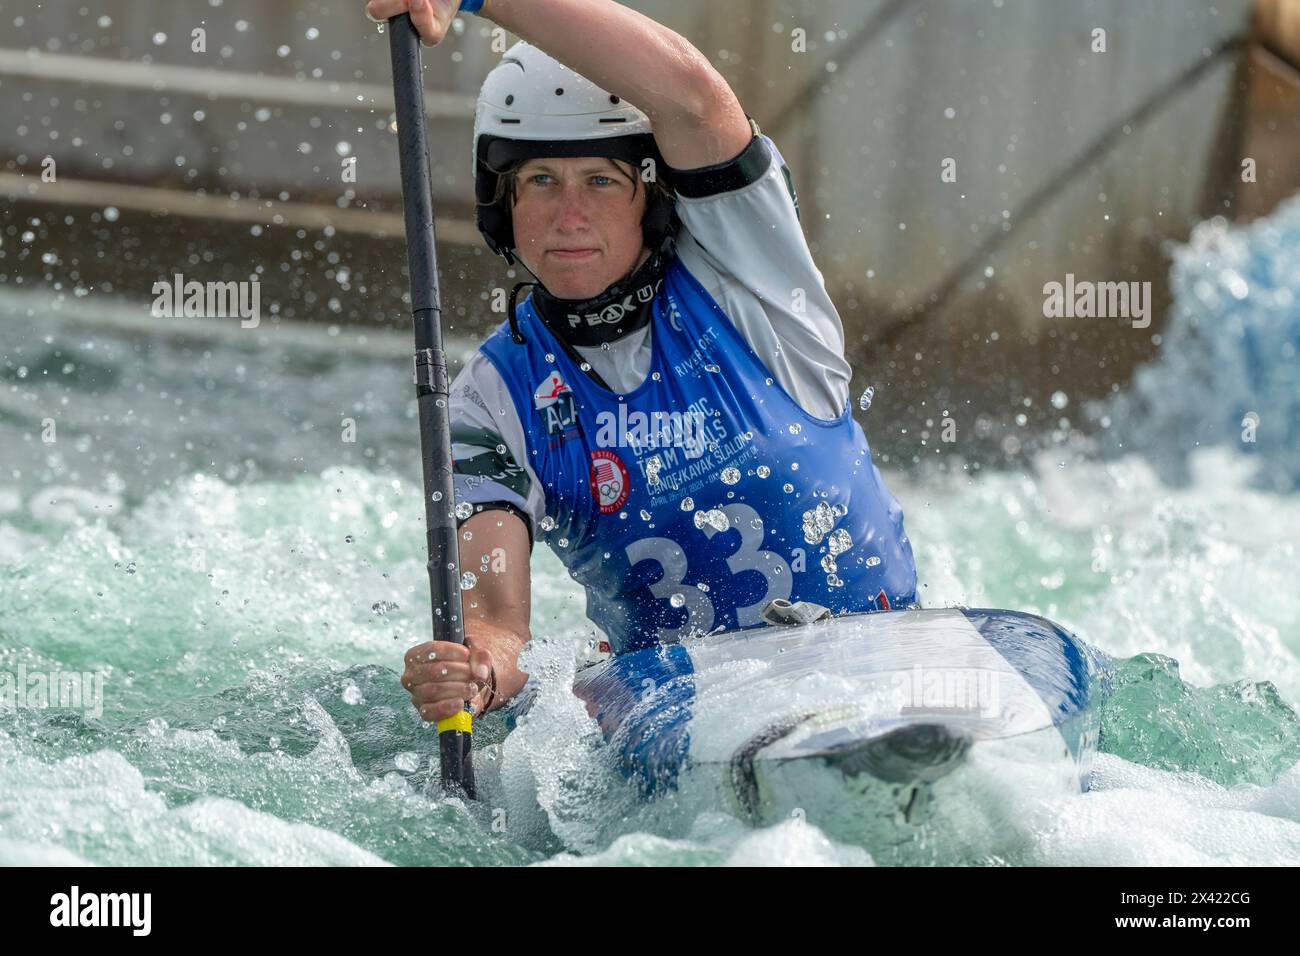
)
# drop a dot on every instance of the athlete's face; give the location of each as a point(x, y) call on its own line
point(578, 223)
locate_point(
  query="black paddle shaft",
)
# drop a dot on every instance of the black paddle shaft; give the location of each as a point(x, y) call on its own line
point(431, 380)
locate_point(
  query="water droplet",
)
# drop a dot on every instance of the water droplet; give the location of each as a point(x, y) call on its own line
point(714, 518)
point(864, 400)
point(352, 694)
point(763, 471)
point(795, 428)
point(436, 496)
point(563, 542)
point(839, 541)
point(677, 600)
point(818, 522)
point(1060, 400)
point(349, 539)
point(655, 376)
point(547, 523)
point(550, 357)
point(464, 510)
point(407, 762)
point(688, 504)
point(468, 580)
point(787, 487)
point(872, 561)
point(645, 515)
point(730, 475)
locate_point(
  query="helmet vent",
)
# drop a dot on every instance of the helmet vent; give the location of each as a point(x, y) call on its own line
point(510, 99)
point(559, 91)
point(613, 119)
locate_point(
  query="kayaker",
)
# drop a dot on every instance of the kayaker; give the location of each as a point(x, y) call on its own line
point(669, 408)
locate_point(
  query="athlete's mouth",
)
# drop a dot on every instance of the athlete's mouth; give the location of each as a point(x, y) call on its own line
point(573, 253)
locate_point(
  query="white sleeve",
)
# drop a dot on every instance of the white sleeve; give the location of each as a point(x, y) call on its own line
point(747, 248)
point(488, 449)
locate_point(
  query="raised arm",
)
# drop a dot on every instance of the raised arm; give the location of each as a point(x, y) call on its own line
point(696, 117)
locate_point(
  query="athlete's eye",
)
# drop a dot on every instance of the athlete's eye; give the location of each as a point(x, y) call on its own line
point(600, 176)
point(536, 176)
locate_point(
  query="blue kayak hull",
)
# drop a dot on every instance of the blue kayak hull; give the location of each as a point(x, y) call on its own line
point(853, 719)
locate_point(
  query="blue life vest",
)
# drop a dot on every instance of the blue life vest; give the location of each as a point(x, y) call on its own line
point(689, 503)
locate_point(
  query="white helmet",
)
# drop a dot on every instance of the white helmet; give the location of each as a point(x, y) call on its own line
point(532, 105)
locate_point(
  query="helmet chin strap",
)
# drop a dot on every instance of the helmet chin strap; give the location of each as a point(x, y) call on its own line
point(623, 307)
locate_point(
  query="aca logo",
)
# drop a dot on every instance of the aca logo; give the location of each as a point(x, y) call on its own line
point(609, 480)
point(553, 400)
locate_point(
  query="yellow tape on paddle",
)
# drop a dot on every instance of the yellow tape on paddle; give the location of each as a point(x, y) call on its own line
point(462, 721)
